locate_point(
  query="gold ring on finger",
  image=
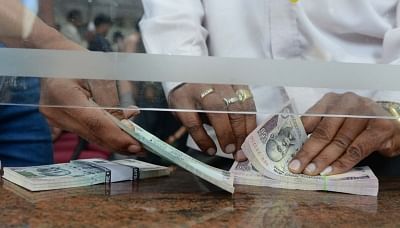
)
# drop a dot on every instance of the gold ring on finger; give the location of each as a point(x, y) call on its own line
point(244, 94)
point(206, 93)
point(232, 100)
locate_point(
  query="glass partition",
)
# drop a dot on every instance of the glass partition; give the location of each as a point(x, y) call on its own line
point(341, 70)
point(198, 84)
point(328, 58)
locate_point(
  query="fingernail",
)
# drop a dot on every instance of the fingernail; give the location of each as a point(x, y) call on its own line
point(295, 165)
point(134, 149)
point(240, 156)
point(230, 148)
point(326, 171)
point(211, 151)
point(310, 168)
point(127, 123)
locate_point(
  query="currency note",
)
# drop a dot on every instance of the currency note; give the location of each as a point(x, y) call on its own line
point(38, 178)
point(218, 177)
point(360, 180)
point(272, 145)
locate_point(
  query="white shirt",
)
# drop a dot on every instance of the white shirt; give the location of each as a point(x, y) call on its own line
point(355, 31)
point(71, 32)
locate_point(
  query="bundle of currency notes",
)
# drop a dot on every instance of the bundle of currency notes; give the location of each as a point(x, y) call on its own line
point(81, 173)
point(218, 177)
point(273, 144)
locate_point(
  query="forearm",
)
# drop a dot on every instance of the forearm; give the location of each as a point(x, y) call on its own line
point(21, 28)
point(46, 37)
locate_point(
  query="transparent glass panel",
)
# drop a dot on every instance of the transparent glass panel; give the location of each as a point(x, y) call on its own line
point(208, 57)
point(115, 80)
point(291, 51)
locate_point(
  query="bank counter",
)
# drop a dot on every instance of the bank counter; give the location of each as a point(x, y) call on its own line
point(182, 200)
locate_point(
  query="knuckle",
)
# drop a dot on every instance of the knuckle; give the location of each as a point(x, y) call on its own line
point(322, 134)
point(355, 154)
point(236, 119)
point(235, 107)
point(342, 141)
point(349, 95)
point(368, 106)
point(329, 96)
point(194, 127)
point(220, 106)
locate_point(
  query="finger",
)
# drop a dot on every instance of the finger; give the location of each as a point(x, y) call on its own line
point(237, 121)
point(131, 112)
point(321, 137)
point(194, 125)
point(105, 130)
point(248, 105)
point(220, 122)
point(181, 98)
point(320, 108)
point(239, 156)
point(95, 126)
point(370, 140)
point(105, 94)
point(349, 131)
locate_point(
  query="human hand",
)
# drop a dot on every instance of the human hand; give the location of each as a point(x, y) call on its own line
point(231, 129)
point(93, 123)
point(337, 144)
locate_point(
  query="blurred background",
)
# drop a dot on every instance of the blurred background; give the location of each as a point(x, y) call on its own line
point(111, 26)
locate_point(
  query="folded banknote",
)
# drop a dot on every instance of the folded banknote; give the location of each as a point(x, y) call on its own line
point(274, 143)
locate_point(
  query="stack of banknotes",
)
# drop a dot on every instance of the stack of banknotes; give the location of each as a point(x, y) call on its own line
point(218, 177)
point(269, 149)
point(273, 144)
point(82, 173)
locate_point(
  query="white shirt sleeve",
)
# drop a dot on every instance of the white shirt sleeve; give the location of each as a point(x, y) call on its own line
point(391, 55)
point(174, 28)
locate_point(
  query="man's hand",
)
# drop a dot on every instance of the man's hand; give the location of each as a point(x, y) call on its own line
point(82, 116)
point(337, 144)
point(231, 129)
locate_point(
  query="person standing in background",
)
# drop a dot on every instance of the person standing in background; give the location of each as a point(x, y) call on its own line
point(70, 29)
point(103, 25)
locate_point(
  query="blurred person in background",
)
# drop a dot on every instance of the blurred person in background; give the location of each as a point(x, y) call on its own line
point(71, 28)
point(102, 25)
point(118, 41)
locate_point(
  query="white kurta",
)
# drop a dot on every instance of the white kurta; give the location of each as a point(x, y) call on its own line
point(355, 31)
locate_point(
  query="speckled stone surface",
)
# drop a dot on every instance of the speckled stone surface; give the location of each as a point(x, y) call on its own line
point(183, 201)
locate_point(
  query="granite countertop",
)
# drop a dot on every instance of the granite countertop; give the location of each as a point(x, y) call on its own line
point(183, 200)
